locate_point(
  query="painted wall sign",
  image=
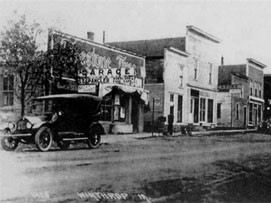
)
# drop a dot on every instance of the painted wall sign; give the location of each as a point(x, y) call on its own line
point(87, 88)
point(103, 64)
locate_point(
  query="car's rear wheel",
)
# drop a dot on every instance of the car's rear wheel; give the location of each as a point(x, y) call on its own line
point(94, 138)
point(44, 138)
point(9, 143)
point(63, 144)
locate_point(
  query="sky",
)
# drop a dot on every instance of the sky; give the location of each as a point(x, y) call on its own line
point(244, 27)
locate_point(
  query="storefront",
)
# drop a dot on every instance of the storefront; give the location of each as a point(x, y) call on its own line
point(113, 74)
point(255, 109)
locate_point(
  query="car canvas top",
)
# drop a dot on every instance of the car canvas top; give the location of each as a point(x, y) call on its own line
point(69, 96)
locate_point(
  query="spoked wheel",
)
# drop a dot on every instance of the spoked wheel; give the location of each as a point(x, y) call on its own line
point(63, 144)
point(94, 138)
point(9, 143)
point(44, 138)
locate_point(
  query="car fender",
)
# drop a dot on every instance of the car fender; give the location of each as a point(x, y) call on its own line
point(98, 126)
point(38, 125)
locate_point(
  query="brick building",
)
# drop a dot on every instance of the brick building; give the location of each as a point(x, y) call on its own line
point(240, 97)
point(181, 75)
point(115, 75)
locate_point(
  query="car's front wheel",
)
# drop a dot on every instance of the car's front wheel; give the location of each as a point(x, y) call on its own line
point(44, 138)
point(9, 143)
point(94, 138)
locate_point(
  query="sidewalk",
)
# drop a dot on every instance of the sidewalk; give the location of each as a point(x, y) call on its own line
point(111, 138)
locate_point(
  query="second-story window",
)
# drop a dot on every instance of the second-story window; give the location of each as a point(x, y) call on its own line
point(8, 89)
point(210, 72)
point(260, 90)
point(256, 89)
point(196, 67)
point(181, 75)
point(250, 87)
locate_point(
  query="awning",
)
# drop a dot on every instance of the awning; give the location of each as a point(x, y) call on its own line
point(105, 89)
point(256, 99)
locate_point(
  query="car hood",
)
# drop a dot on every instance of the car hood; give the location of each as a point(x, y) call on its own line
point(36, 119)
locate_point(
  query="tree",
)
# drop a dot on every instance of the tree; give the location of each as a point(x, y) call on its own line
point(64, 62)
point(20, 53)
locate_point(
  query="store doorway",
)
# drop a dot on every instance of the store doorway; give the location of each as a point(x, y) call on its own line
point(135, 114)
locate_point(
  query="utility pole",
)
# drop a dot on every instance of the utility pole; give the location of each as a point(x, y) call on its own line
point(152, 116)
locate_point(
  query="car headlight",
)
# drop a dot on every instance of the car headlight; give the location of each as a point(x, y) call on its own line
point(11, 125)
point(28, 125)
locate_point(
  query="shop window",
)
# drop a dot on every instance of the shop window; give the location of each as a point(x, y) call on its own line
point(106, 108)
point(120, 107)
point(191, 105)
point(210, 110)
point(180, 109)
point(202, 109)
point(210, 72)
point(218, 110)
point(196, 110)
point(171, 103)
point(8, 90)
point(250, 113)
point(259, 113)
point(237, 111)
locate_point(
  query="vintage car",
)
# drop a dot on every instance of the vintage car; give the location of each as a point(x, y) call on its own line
point(63, 118)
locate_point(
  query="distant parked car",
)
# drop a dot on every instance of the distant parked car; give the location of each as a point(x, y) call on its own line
point(61, 118)
point(265, 126)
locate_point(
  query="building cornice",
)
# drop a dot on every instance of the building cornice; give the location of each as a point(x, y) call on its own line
point(202, 33)
point(183, 53)
point(202, 88)
point(251, 60)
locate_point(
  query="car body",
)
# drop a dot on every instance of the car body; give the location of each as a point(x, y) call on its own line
point(61, 118)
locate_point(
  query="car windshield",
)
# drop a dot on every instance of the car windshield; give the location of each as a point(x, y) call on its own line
point(70, 106)
point(41, 108)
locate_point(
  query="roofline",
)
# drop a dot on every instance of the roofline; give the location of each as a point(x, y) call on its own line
point(241, 76)
point(96, 43)
point(239, 64)
point(201, 32)
point(256, 62)
point(142, 40)
point(178, 51)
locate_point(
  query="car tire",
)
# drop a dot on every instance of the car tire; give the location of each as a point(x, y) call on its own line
point(63, 144)
point(9, 143)
point(44, 138)
point(94, 138)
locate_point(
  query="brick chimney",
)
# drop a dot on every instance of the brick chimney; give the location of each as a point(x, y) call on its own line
point(90, 36)
point(222, 61)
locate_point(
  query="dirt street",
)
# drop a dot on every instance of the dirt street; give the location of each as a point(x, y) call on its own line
point(228, 168)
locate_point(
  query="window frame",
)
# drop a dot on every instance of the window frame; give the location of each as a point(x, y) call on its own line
point(210, 72)
point(8, 89)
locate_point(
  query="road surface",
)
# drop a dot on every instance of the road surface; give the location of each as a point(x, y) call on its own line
point(225, 168)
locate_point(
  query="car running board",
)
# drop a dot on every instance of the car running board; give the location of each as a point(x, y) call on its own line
point(70, 133)
point(79, 138)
